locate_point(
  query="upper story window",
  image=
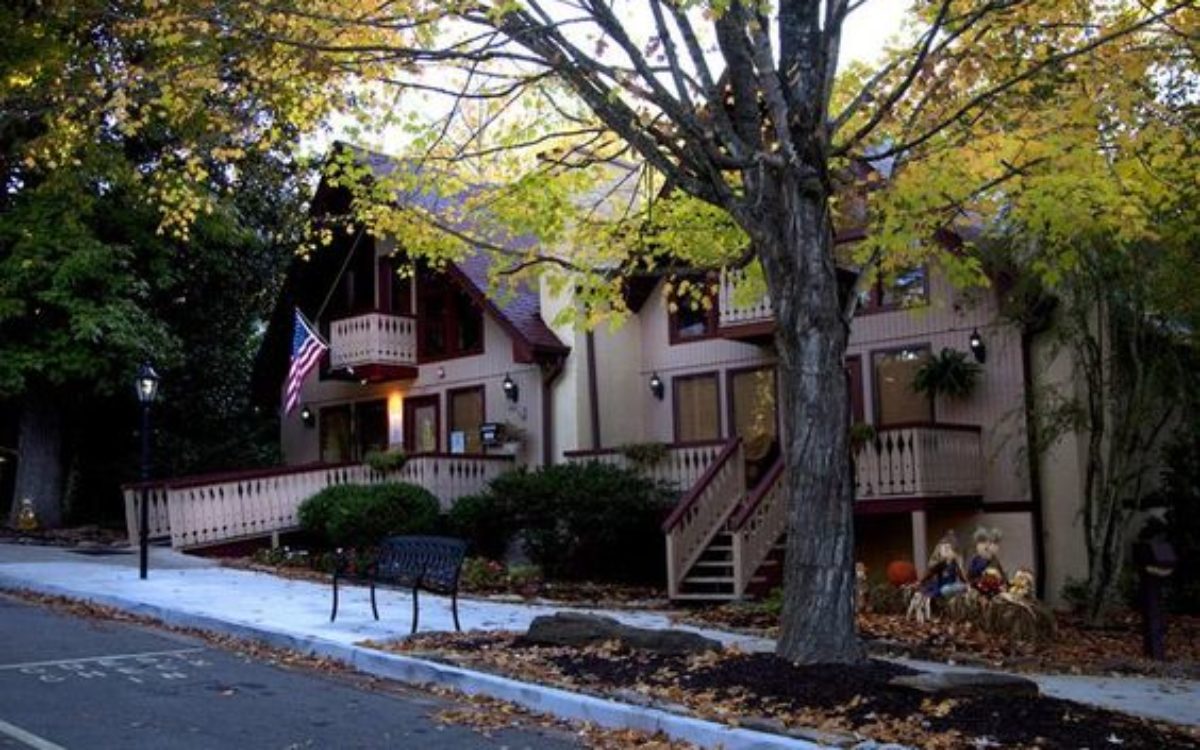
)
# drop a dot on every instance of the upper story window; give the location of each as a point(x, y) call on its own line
point(905, 289)
point(691, 316)
point(895, 400)
point(449, 322)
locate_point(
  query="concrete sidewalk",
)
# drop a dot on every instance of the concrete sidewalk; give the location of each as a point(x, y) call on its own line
point(184, 590)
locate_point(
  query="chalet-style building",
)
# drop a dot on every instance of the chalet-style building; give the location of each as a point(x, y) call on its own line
point(469, 387)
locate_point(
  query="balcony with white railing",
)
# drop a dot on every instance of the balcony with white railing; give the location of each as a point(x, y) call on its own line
point(920, 461)
point(738, 314)
point(373, 340)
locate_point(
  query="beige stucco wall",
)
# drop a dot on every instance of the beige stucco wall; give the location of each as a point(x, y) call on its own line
point(1062, 468)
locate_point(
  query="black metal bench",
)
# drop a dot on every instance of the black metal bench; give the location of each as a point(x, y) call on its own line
point(432, 563)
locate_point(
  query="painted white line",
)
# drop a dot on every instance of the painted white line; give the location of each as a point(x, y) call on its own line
point(57, 662)
point(27, 738)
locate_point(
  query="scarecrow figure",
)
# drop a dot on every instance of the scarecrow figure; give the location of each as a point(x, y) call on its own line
point(943, 578)
point(984, 571)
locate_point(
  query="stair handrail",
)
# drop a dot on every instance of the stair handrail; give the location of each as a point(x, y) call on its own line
point(697, 489)
point(743, 513)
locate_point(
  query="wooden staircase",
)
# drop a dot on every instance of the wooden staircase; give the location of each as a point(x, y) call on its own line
point(724, 543)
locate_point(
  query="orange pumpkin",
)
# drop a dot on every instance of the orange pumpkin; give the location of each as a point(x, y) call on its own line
point(901, 572)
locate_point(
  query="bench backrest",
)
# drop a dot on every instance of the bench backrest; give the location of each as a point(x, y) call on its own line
point(431, 562)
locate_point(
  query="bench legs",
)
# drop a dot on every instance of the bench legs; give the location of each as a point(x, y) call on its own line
point(454, 609)
point(416, 611)
point(374, 609)
point(333, 614)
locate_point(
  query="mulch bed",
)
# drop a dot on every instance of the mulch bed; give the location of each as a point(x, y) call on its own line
point(1075, 650)
point(845, 704)
point(79, 536)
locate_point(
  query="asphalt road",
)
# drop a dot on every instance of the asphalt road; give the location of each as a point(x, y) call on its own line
point(70, 682)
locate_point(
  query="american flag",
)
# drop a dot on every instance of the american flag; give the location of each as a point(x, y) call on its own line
point(307, 348)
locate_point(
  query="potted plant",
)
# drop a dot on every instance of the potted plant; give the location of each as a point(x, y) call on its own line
point(861, 433)
point(386, 462)
point(948, 373)
point(644, 455)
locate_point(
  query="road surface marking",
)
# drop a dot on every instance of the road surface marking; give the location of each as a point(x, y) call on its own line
point(61, 662)
point(27, 738)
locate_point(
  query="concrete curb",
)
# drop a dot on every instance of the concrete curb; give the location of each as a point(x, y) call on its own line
point(563, 704)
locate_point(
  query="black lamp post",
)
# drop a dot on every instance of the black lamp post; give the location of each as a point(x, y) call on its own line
point(146, 387)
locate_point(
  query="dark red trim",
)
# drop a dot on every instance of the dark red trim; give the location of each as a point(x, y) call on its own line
point(593, 388)
point(752, 332)
point(1012, 506)
point(756, 496)
point(693, 495)
point(242, 475)
point(856, 383)
point(947, 426)
point(670, 446)
point(716, 378)
point(880, 506)
point(450, 394)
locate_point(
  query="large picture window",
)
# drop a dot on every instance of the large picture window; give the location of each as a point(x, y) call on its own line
point(466, 416)
point(697, 408)
point(895, 400)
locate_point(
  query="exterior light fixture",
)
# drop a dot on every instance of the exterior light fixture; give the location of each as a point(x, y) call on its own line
point(511, 391)
point(145, 386)
point(307, 417)
point(978, 348)
point(656, 386)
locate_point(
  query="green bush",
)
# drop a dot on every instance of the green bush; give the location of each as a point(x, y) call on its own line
point(484, 522)
point(575, 521)
point(353, 515)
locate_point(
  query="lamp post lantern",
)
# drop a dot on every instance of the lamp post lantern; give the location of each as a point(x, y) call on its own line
point(146, 388)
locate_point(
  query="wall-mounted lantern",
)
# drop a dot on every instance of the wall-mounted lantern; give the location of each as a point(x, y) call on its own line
point(307, 417)
point(978, 348)
point(511, 391)
point(656, 386)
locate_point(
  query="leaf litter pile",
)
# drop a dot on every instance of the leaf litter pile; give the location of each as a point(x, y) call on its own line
point(833, 705)
point(1076, 649)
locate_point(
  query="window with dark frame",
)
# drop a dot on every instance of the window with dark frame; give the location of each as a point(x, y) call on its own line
point(690, 318)
point(335, 434)
point(466, 407)
point(895, 400)
point(371, 426)
point(697, 404)
point(449, 322)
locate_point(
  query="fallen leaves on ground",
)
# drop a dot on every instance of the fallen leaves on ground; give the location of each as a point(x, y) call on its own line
point(840, 706)
point(1076, 649)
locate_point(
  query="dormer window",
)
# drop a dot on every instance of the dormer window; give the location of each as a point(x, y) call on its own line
point(449, 321)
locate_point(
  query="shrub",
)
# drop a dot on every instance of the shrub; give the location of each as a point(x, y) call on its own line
point(484, 521)
point(585, 521)
point(386, 461)
point(358, 516)
point(481, 574)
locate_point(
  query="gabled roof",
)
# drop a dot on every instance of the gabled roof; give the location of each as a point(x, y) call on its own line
point(518, 310)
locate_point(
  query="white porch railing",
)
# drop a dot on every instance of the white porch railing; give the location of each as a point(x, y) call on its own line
point(683, 464)
point(374, 338)
point(920, 461)
point(219, 508)
point(757, 526)
point(734, 314)
point(703, 512)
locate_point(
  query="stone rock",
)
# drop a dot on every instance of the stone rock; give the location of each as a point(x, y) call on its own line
point(951, 684)
point(579, 629)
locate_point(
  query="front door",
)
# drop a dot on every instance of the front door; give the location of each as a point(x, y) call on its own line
point(754, 419)
point(421, 424)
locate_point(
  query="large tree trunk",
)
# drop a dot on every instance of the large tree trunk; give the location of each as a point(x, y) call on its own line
point(818, 609)
point(39, 466)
